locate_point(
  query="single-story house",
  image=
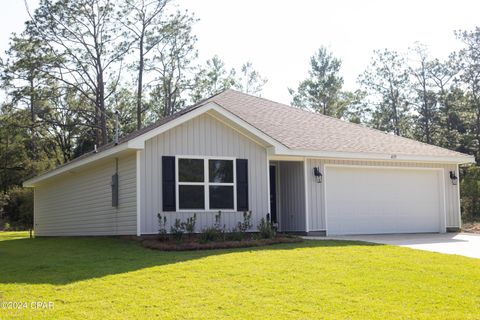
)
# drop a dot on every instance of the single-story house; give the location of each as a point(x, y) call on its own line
point(233, 153)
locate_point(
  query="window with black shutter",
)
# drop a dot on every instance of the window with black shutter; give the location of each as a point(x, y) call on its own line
point(206, 183)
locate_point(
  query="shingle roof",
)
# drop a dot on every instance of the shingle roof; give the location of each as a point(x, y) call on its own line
point(304, 130)
point(299, 129)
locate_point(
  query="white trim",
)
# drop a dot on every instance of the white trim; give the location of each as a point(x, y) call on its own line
point(34, 214)
point(443, 194)
point(441, 178)
point(278, 194)
point(305, 178)
point(380, 167)
point(324, 171)
point(458, 198)
point(331, 155)
point(269, 206)
point(139, 207)
point(206, 184)
point(285, 158)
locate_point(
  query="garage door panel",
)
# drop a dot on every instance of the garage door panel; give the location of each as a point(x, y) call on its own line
point(372, 200)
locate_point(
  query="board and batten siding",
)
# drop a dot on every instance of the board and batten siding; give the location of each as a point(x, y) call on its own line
point(292, 196)
point(201, 136)
point(80, 203)
point(316, 192)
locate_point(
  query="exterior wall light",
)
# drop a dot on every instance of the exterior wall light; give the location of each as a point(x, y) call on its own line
point(453, 177)
point(318, 175)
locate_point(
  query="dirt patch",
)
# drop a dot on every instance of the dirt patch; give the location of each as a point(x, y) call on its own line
point(193, 244)
point(471, 227)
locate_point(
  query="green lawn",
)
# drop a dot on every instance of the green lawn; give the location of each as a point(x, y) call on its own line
point(107, 278)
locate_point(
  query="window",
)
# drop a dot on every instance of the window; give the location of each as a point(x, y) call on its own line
point(220, 174)
point(205, 184)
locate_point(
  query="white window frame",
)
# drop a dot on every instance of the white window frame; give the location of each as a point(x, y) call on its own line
point(206, 183)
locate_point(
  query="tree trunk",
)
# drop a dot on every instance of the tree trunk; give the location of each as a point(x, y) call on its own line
point(428, 137)
point(396, 127)
point(32, 119)
point(477, 130)
point(101, 103)
point(5, 163)
point(140, 84)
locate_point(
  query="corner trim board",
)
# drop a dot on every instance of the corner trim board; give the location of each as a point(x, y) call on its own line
point(305, 178)
point(138, 173)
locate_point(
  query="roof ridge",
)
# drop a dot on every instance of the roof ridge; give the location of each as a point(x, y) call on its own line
point(343, 121)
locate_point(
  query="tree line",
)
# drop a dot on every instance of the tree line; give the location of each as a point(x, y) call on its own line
point(78, 62)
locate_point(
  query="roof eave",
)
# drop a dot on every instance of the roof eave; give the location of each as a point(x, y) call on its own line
point(460, 159)
point(33, 182)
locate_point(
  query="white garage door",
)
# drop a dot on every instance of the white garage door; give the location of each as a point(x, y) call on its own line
point(382, 200)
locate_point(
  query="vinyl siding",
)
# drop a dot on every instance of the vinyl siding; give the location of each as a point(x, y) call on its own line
point(201, 136)
point(79, 203)
point(316, 196)
point(292, 196)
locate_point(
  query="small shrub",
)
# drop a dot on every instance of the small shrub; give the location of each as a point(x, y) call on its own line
point(247, 222)
point(162, 227)
point(189, 226)
point(222, 229)
point(235, 235)
point(7, 227)
point(266, 229)
point(214, 233)
point(210, 234)
point(177, 230)
point(218, 222)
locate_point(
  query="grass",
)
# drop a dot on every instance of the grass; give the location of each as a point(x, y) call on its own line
point(108, 278)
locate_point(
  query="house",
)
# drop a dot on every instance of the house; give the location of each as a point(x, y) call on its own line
point(234, 152)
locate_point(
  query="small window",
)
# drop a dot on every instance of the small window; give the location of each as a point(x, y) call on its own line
point(191, 170)
point(191, 197)
point(206, 184)
point(221, 197)
point(220, 171)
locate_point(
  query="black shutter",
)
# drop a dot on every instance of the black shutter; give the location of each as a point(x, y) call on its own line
point(242, 185)
point(115, 190)
point(168, 190)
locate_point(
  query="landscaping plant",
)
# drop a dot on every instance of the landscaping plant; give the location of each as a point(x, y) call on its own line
point(162, 227)
point(266, 229)
point(189, 226)
point(247, 222)
point(210, 234)
point(177, 230)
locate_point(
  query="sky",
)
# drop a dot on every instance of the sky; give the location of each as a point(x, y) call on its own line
point(279, 37)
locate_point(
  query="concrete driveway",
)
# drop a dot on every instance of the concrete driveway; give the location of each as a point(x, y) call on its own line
point(465, 244)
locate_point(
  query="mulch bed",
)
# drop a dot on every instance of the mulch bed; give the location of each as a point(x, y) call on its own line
point(193, 244)
point(471, 227)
